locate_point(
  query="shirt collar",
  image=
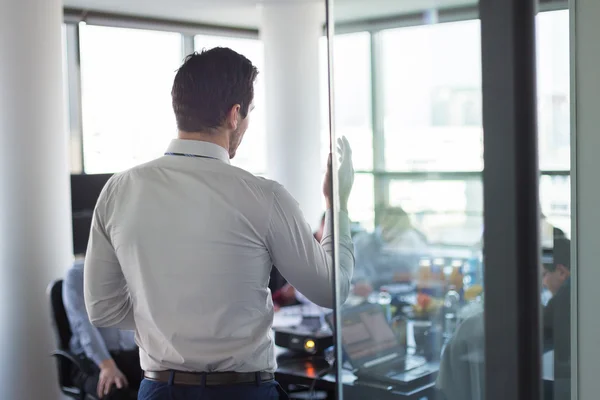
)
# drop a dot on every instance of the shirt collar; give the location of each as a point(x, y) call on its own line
point(198, 148)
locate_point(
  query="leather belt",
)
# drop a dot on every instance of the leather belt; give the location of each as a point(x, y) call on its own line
point(209, 378)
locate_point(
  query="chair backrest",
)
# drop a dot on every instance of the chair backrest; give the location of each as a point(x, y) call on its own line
point(60, 321)
point(62, 332)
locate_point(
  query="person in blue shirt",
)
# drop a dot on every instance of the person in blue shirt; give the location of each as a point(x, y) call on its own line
point(110, 357)
point(394, 248)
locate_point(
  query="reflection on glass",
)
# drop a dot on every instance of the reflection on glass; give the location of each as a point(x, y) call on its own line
point(126, 78)
point(252, 156)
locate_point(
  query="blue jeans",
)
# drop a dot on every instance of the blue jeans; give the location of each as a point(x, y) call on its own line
point(151, 390)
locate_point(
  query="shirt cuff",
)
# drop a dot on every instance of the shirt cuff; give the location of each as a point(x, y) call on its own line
point(97, 358)
point(343, 223)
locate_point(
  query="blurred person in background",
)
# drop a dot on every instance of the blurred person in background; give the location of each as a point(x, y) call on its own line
point(390, 252)
point(109, 357)
point(461, 374)
point(556, 277)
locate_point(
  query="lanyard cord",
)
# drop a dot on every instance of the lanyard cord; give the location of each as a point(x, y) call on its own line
point(189, 155)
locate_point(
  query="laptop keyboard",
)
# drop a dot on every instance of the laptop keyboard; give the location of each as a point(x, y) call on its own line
point(410, 363)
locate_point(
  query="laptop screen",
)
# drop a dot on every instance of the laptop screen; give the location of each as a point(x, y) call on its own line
point(367, 338)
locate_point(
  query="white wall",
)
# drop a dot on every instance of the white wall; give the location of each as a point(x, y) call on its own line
point(290, 33)
point(35, 230)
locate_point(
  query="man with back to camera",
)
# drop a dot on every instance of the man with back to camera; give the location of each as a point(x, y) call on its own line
point(181, 247)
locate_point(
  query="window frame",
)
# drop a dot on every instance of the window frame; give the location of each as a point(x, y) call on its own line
point(381, 176)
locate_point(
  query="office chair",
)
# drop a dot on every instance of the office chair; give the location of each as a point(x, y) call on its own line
point(66, 362)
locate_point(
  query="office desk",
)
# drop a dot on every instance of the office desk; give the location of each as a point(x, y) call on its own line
point(298, 370)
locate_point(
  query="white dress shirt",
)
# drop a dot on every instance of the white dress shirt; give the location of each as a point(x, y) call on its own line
point(181, 249)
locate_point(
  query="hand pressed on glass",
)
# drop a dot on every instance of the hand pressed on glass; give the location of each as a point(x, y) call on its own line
point(345, 175)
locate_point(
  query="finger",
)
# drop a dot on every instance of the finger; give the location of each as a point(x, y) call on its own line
point(119, 383)
point(347, 152)
point(100, 388)
point(108, 385)
point(347, 147)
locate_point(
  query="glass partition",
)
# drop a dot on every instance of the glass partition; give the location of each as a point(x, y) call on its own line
point(414, 324)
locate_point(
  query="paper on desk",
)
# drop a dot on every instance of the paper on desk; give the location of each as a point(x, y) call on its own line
point(282, 319)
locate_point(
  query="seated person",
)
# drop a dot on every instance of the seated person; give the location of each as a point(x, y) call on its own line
point(462, 369)
point(392, 250)
point(461, 374)
point(110, 357)
point(556, 278)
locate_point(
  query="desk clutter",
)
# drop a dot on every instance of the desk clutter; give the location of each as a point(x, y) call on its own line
point(373, 353)
point(392, 336)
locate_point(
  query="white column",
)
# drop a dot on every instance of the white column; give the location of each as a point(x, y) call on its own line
point(35, 231)
point(290, 32)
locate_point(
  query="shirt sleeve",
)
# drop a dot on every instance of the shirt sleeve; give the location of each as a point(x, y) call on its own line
point(89, 337)
point(305, 263)
point(107, 297)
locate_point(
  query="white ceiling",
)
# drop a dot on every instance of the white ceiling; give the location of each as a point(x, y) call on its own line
point(246, 13)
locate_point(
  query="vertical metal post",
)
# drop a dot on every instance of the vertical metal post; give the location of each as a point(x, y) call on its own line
point(380, 181)
point(511, 207)
point(337, 333)
point(187, 45)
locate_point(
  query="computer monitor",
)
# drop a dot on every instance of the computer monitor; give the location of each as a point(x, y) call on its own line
point(85, 190)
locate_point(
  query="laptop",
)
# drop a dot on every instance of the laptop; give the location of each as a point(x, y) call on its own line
point(373, 350)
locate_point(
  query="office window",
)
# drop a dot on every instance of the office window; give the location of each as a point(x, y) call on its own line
point(74, 140)
point(126, 79)
point(252, 154)
point(553, 90)
point(554, 138)
point(447, 211)
point(432, 121)
point(352, 85)
point(432, 101)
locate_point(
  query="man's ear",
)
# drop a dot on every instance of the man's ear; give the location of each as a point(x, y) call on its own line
point(233, 117)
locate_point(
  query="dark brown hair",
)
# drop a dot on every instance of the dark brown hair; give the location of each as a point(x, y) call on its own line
point(208, 84)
